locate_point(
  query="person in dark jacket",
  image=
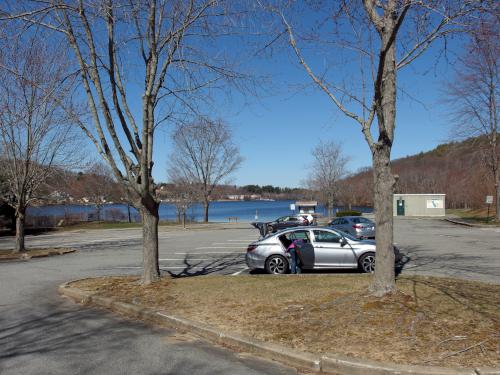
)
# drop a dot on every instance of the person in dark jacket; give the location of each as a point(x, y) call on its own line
point(294, 258)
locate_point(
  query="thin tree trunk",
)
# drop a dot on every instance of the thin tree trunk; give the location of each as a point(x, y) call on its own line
point(20, 218)
point(497, 192)
point(206, 204)
point(150, 219)
point(330, 208)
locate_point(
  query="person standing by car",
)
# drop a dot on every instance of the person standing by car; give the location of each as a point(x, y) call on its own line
point(294, 259)
point(310, 219)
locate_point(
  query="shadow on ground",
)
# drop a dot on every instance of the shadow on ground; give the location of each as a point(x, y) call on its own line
point(201, 268)
point(64, 339)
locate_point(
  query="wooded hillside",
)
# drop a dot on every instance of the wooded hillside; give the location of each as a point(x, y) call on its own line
point(455, 169)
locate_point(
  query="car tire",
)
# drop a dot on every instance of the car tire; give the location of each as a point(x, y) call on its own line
point(270, 229)
point(277, 265)
point(366, 263)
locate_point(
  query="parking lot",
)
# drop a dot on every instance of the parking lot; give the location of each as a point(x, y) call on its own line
point(42, 333)
point(432, 247)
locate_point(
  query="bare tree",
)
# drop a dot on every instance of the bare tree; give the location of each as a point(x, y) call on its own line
point(159, 53)
point(329, 166)
point(381, 37)
point(183, 195)
point(474, 95)
point(204, 155)
point(98, 185)
point(36, 135)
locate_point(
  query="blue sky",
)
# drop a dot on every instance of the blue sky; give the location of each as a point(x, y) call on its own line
point(276, 132)
point(277, 129)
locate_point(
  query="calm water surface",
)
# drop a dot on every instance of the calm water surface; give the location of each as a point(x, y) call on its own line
point(218, 212)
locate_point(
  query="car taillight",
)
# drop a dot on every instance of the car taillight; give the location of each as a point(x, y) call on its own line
point(251, 248)
point(357, 226)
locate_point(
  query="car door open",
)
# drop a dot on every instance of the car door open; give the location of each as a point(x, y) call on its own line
point(329, 252)
point(305, 251)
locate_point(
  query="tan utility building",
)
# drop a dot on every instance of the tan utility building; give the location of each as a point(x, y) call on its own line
point(419, 204)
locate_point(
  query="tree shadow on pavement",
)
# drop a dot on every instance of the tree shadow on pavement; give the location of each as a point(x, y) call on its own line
point(201, 268)
point(62, 338)
point(59, 334)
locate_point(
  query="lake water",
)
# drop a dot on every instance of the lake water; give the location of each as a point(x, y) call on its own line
point(245, 211)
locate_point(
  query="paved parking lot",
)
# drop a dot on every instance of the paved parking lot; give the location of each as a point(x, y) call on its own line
point(40, 333)
point(432, 246)
point(439, 248)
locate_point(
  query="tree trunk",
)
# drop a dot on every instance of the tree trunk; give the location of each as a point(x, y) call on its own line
point(384, 276)
point(150, 219)
point(497, 193)
point(206, 204)
point(330, 208)
point(20, 218)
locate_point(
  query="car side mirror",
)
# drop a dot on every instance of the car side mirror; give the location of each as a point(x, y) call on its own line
point(343, 242)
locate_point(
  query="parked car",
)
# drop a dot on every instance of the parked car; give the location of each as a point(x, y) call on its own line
point(280, 223)
point(321, 248)
point(357, 226)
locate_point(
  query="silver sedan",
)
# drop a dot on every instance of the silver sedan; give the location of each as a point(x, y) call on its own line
point(320, 248)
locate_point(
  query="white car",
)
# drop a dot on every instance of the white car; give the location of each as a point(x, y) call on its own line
point(319, 248)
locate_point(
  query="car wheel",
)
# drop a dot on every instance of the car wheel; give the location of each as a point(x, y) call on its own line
point(276, 264)
point(367, 263)
point(270, 229)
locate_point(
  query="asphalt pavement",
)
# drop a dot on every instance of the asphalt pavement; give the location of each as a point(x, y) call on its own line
point(42, 333)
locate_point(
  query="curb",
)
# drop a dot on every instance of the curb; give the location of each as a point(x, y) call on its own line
point(464, 223)
point(454, 221)
point(325, 364)
point(27, 256)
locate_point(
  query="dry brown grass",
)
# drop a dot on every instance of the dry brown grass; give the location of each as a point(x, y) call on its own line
point(431, 321)
point(33, 253)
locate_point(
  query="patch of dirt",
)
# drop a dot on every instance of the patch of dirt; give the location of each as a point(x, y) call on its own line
point(429, 321)
point(33, 253)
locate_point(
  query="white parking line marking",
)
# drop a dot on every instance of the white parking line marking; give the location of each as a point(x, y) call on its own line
point(237, 273)
point(213, 252)
point(162, 268)
point(225, 243)
point(219, 247)
point(243, 240)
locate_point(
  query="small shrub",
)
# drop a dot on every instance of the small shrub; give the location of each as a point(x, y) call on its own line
point(348, 213)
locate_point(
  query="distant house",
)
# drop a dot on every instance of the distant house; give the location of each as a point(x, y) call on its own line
point(306, 207)
point(236, 197)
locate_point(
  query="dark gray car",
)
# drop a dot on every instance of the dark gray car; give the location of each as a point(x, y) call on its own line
point(280, 223)
point(356, 226)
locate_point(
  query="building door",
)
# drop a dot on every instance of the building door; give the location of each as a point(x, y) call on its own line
point(401, 207)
